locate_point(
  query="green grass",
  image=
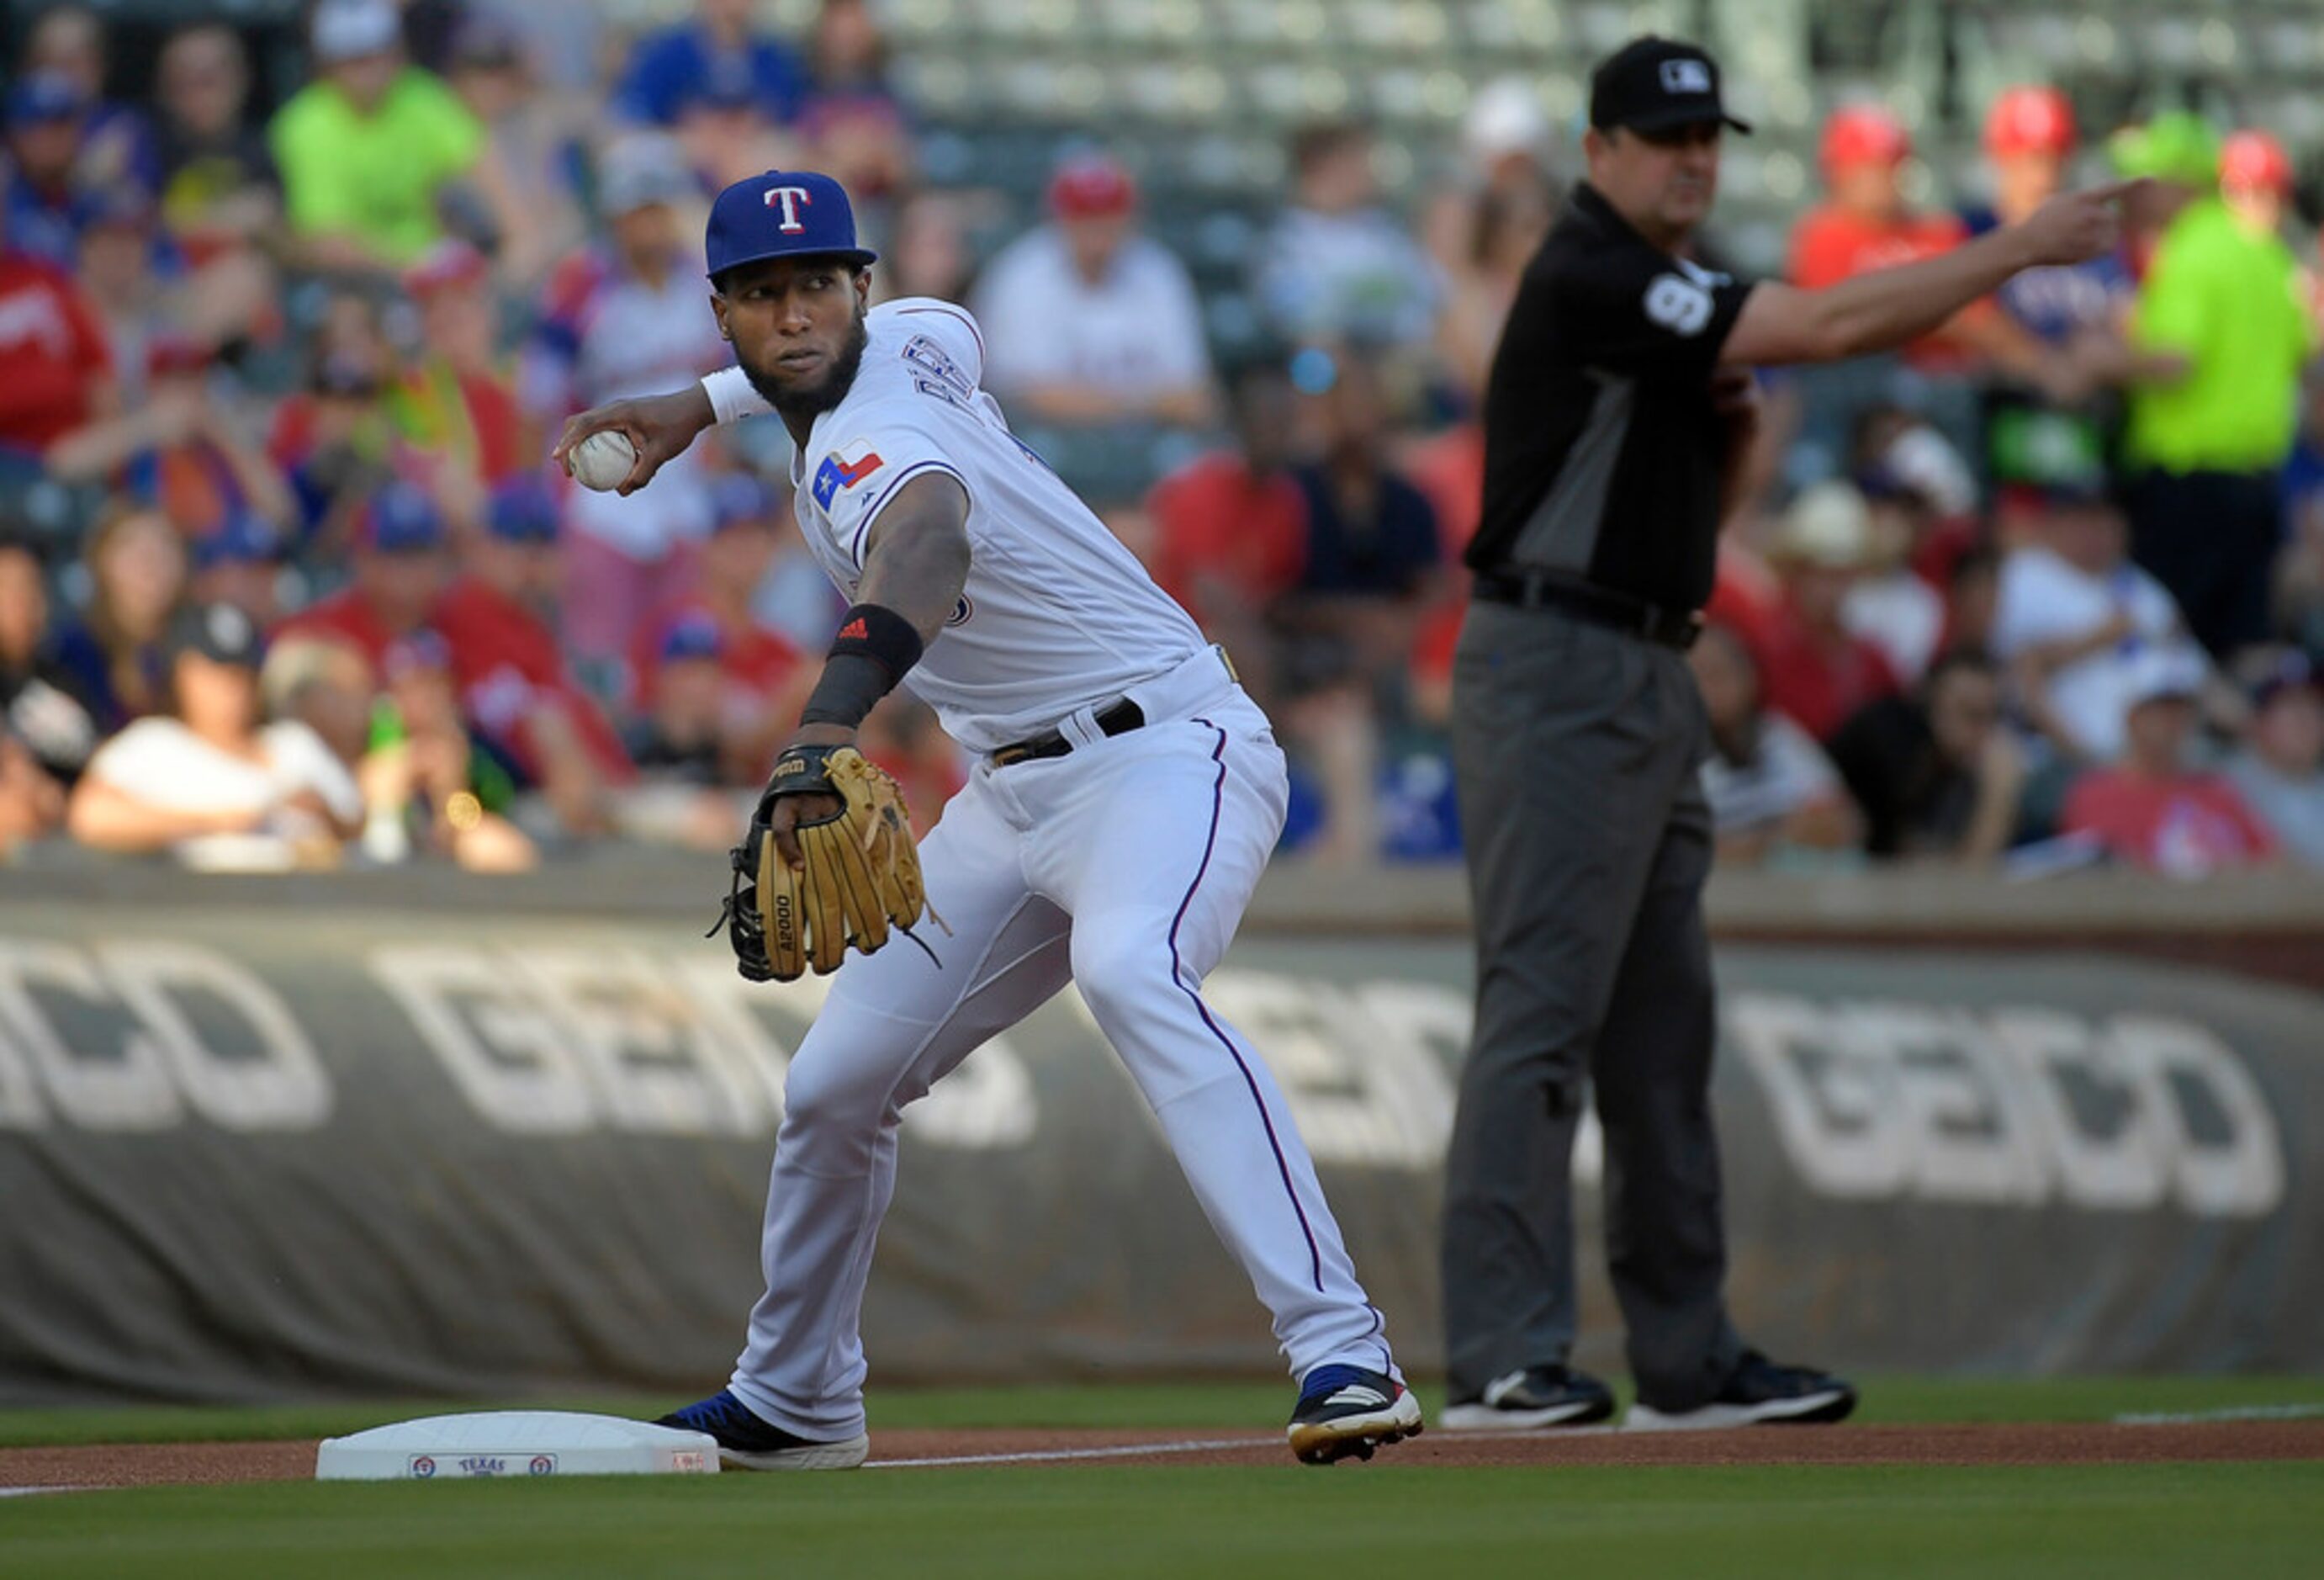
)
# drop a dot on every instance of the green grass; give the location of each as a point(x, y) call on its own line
point(1191, 1405)
point(2119, 1522)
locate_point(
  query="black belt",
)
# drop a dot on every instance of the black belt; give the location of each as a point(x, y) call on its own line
point(1673, 628)
point(1120, 719)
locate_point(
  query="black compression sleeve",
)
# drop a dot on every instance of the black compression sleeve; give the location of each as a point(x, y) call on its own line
point(874, 647)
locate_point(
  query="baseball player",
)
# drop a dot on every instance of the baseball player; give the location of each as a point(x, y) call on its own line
point(1124, 798)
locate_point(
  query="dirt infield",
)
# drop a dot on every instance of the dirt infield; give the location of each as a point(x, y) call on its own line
point(104, 1465)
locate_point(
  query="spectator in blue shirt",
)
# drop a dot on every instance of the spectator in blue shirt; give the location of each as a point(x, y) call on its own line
point(2036, 437)
point(1349, 626)
point(117, 143)
point(47, 116)
point(668, 70)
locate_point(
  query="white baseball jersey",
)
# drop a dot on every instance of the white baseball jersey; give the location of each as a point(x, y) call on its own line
point(1057, 615)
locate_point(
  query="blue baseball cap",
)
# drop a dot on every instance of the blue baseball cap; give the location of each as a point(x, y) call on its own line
point(241, 538)
point(45, 95)
point(521, 512)
point(692, 636)
point(415, 651)
point(729, 84)
point(782, 214)
point(124, 205)
point(738, 497)
point(401, 520)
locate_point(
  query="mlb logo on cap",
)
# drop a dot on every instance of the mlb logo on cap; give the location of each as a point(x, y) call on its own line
point(782, 214)
point(1685, 75)
point(1655, 84)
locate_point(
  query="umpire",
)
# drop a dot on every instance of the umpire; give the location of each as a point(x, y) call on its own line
point(1618, 398)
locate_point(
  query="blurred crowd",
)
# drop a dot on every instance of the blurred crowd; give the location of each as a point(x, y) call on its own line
point(285, 578)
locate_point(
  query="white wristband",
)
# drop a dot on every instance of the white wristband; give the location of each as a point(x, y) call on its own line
point(732, 396)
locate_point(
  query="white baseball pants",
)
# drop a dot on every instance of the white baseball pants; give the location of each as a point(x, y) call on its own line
point(1124, 866)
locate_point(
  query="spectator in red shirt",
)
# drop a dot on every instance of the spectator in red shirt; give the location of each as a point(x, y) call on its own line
point(1230, 527)
point(2151, 809)
point(56, 373)
point(513, 679)
point(1448, 467)
point(1817, 671)
point(762, 683)
point(1864, 224)
point(400, 569)
point(454, 406)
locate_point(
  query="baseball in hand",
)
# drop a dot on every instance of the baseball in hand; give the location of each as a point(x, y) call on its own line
point(602, 460)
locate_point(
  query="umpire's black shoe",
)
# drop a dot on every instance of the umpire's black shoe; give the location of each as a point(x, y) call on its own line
point(1759, 1390)
point(748, 1443)
point(1538, 1396)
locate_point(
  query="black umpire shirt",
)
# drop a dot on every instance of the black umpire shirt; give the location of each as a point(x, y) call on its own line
point(1602, 447)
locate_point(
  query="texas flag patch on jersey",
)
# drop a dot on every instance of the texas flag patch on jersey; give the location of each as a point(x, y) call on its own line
point(844, 468)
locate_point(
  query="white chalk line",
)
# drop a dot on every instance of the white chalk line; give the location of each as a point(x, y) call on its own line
point(2275, 1413)
point(2250, 1412)
point(36, 1491)
point(1043, 1455)
point(1192, 1446)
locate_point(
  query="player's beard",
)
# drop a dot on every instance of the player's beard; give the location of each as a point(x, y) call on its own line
point(806, 402)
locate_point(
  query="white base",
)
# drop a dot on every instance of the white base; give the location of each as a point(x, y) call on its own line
point(514, 1443)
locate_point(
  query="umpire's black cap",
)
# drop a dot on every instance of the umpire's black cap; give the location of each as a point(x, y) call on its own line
point(1654, 85)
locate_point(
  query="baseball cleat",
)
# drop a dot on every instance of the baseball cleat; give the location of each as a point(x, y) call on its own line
point(1538, 1396)
point(1759, 1391)
point(748, 1443)
point(1346, 1410)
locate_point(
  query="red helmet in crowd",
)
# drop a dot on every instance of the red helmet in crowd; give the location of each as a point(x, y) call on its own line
point(1863, 134)
point(2254, 161)
point(2030, 120)
point(1090, 186)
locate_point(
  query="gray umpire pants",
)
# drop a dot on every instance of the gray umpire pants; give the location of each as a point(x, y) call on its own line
point(1588, 840)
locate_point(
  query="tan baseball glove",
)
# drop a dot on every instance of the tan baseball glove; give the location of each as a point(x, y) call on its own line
point(860, 876)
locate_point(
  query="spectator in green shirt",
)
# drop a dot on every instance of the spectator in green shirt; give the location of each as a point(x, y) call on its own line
point(2217, 339)
point(367, 149)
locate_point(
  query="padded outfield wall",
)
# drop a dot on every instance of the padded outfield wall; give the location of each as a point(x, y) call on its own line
point(263, 1142)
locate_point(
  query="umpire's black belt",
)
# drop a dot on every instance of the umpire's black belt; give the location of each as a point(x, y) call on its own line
point(1673, 628)
point(1120, 719)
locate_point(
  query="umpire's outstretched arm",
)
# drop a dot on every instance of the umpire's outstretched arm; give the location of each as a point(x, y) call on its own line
point(1886, 308)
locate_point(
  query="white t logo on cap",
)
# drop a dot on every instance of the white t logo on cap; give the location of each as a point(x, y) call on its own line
point(789, 198)
point(1685, 77)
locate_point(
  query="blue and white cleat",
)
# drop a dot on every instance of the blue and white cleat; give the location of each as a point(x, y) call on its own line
point(748, 1443)
point(1346, 1410)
